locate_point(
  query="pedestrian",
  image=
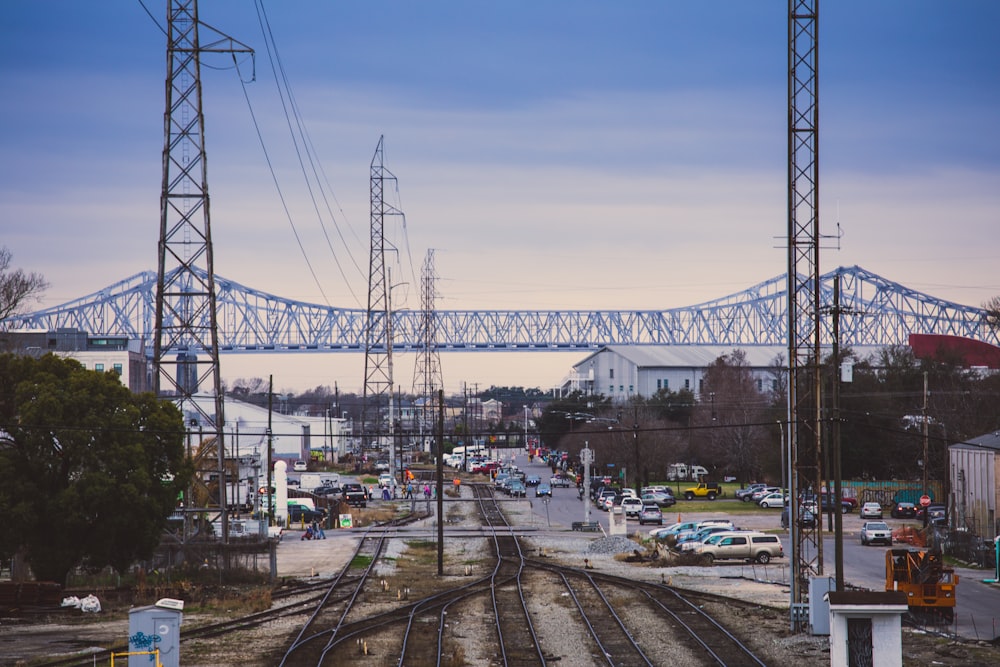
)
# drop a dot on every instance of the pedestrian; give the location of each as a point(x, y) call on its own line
point(427, 491)
point(308, 535)
point(409, 491)
point(318, 532)
point(385, 493)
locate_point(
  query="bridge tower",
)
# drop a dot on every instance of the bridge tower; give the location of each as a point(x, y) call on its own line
point(427, 378)
point(185, 343)
point(377, 398)
point(804, 431)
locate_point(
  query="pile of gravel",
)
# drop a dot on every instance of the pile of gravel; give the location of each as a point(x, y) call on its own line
point(613, 545)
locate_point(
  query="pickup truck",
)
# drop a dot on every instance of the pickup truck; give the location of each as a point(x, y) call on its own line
point(737, 545)
point(354, 494)
point(710, 490)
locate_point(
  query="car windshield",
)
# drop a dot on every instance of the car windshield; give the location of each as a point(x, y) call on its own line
point(878, 526)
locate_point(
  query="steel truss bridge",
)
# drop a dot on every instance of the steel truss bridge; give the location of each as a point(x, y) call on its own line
point(873, 312)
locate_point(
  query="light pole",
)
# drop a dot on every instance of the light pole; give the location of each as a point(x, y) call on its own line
point(526, 427)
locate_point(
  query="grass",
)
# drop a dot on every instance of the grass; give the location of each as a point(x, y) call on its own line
point(361, 561)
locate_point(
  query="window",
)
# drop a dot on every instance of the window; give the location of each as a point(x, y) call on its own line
point(659, 385)
point(611, 389)
point(760, 385)
point(687, 384)
point(117, 368)
point(631, 388)
point(621, 387)
point(666, 383)
point(612, 372)
point(99, 368)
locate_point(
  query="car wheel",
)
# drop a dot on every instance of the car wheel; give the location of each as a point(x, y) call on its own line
point(763, 558)
point(711, 496)
point(707, 559)
point(688, 496)
point(844, 510)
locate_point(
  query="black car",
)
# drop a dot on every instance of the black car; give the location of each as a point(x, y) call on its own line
point(904, 511)
point(806, 518)
point(937, 514)
point(301, 513)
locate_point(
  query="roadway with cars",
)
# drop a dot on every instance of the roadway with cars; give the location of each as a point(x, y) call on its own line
point(978, 605)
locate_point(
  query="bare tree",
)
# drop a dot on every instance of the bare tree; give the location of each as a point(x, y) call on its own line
point(992, 308)
point(17, 288)
point(734, 411)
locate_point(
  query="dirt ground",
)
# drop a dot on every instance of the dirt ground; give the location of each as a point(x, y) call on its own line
point(767, 624)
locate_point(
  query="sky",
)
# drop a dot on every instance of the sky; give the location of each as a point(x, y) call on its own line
point(568, 154)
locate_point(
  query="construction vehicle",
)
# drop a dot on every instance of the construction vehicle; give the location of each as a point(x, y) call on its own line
point(930, 585)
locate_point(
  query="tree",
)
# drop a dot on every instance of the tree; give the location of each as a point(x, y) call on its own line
point(992, 308)
point(89, 472)
point(17, 288)
point(733, 413)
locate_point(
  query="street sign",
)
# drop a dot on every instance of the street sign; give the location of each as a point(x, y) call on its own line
point(587, 455)
point(925, 501)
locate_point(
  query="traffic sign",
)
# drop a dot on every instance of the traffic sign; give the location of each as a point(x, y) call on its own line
point(925, 501)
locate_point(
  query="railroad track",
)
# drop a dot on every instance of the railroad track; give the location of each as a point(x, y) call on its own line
point(333, 630)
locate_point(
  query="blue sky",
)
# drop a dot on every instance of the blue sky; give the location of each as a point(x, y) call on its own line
point(562, 154)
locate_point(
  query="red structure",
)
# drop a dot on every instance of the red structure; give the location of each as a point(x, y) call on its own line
point(971, 352)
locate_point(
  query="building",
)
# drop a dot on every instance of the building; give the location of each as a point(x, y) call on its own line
point(974, 468)
point(118, 354)
point(621, 372)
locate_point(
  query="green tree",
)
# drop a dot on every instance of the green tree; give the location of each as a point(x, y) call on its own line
point(89, 472)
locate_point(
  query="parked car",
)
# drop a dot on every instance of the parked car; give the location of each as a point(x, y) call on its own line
point(543, 490)
point(760, 493)
point(386, 481)
point(650, 513)
point(807, 519)
point(904, 511)
point(673, 529)
point(659, 498)
point(772, 500)
point(829, 504)
point(300, 466)
point(875, 531)
point(937, 514)
point(746, 494)
point(871, 511)
point(301, 513)
point(631, 506)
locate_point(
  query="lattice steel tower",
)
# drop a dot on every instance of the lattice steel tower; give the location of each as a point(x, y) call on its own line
point(427, 378)
point(185, 345)
point(804, 424)
point(378, 324)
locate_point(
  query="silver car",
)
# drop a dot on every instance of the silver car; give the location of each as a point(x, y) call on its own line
point(875, 531)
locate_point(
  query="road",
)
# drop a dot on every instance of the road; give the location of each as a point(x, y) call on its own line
point(977, 613)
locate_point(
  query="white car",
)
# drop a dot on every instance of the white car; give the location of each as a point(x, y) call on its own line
point(300, 466)
point(871, 511)
point(385, 481)
point(773, 500)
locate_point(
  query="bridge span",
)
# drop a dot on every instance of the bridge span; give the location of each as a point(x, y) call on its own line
point(874, 312)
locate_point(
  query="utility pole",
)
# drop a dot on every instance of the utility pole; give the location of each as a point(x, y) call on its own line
point(378, 327)
point(804, 433)
point(186, 339)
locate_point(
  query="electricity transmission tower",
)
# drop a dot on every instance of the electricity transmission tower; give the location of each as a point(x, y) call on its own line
point(427, 378)
point(378, 324)
point(185, 350)
point(804, 423)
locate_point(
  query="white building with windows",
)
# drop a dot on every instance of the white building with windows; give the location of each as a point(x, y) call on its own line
point(621, 372)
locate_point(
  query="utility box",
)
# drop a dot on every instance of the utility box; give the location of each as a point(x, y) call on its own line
point(153, 627)
point(866, 628)
point(819, 608)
